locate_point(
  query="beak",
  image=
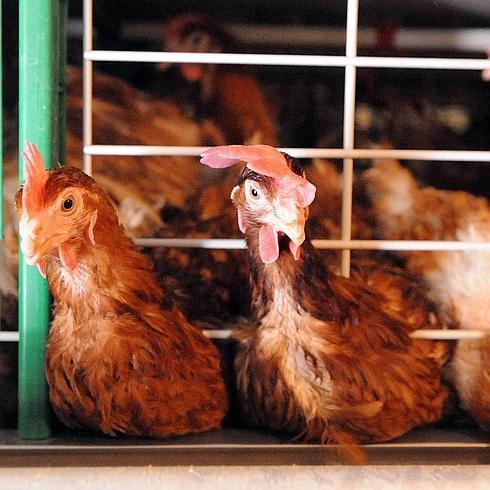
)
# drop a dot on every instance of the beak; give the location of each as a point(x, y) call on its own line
point(37, 241)
point(292, 222)
point(295, 232)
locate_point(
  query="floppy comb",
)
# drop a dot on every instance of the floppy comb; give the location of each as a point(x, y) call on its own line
point(265, 160)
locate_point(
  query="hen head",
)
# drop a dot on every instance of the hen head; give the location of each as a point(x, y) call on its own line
point(57, 210)
point(195, 33)
point(271, 195)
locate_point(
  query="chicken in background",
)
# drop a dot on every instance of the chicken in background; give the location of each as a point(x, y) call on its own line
point(127, 361)
point(191, 274)
point(325, 216)
point(459, 281)
point(325, 358)
point(232, 99)
point(395, 120)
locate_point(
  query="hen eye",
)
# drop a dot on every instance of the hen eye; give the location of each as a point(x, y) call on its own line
point(68, 204)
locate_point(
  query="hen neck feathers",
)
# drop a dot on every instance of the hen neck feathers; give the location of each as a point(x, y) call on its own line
point(304, 286)
point(276, 285)
point(108, 274)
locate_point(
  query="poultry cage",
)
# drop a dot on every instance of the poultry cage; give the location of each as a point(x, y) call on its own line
point(42, 114)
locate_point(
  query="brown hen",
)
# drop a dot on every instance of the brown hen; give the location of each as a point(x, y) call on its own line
point(234, 100)
point(459, 281)
point(116, 359)
point(325, 359)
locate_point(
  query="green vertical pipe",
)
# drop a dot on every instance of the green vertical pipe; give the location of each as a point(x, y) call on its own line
point(62, 36)
point(38, 122)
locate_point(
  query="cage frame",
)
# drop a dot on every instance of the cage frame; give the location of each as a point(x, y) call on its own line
point(42, 27)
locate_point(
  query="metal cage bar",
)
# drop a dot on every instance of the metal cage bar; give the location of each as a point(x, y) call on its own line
point(326, 244)
point(348, 132)
point(62, 54)
point(224, 334)
point(88, 36)
point(40, 92)
point(334, 153)
point(289, 60)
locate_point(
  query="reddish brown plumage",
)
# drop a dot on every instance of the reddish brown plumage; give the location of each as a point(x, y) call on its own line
point(458, 281)
point(120, 357)
point(242, 112)
point(327, 358)
point(146, 190)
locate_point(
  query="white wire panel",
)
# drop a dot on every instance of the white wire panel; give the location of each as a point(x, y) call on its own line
point(289, 60)
point(349, 62)
point(9, 336)
point(87, 83)
point(207, 243)
point(400, 245)
point(349, 131)
point(435, 334)
point(332, 153)
point(225, 334)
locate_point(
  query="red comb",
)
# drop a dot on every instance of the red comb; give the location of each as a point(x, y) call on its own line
point(35, 177)
point(265, 160)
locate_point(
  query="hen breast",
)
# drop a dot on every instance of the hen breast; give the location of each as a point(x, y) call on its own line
point(324, 365)
point(119, 381)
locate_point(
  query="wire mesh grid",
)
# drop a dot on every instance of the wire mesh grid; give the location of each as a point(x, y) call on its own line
point(348, 152)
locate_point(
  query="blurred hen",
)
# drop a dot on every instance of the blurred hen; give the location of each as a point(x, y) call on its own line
point(232, 98)
point(126, 116)
point(459, 281)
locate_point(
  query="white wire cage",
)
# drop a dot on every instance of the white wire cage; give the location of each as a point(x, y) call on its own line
point(350, 62)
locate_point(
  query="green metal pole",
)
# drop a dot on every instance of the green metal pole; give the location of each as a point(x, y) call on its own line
point(62, 57)
point(38, 122)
